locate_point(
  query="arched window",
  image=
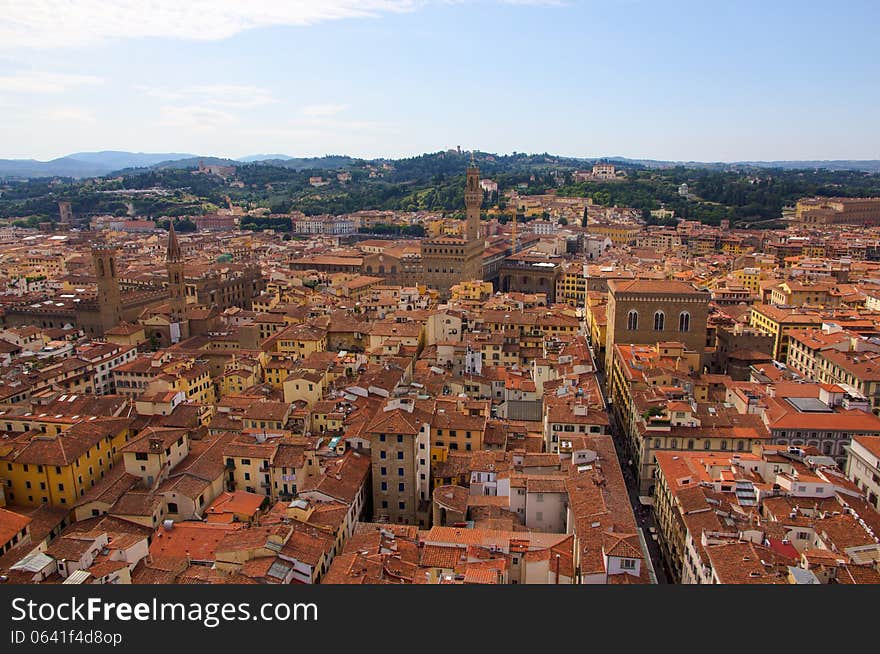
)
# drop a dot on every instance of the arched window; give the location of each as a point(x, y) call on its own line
point(632, 321)
point(659, 321)
point(684, 321)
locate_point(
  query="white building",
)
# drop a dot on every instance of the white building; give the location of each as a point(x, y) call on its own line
point(544, 227)
point(863, 466)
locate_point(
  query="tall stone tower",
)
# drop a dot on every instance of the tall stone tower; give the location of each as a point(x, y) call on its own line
point(65, 215)
point(473, 198)
point(109, 301)
point(176, 284)
point(474, 244)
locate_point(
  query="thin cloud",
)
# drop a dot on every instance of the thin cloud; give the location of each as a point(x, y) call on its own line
point(220, 95)
point(194, 117)
point(62, 23)
point(228, 95)
point(535, 3)
point(44, 82)
point(68, 115)
point(322, 110)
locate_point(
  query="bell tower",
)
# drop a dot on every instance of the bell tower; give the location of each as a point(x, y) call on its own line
point(109, 302)
point(473, 198)
point(176, 282)
point(472, 268)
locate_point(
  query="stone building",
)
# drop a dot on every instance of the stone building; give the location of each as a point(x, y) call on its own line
point(531, 272)
point(645, 312)
point(448, 260)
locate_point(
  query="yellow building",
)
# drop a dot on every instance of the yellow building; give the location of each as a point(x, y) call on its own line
point(325, 418)
point(796, 294)
point(779, 323)
point(302, 386)
point(194, 379)
point(126, 334)
point(58, 468)
point(235, 381)
point(750, 278)
point(267, 415)
point(471, 291)
point(619, 233)
point(277, 369)
point(818, 250)
point(571, 286)
point(301, 340)
point(266, 302)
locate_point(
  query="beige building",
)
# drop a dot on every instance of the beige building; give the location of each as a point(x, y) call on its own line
point(400, 450)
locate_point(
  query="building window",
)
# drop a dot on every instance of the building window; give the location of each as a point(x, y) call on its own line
point(632, 321)
point(684, 321)
point(627, 564)
point(659, 321)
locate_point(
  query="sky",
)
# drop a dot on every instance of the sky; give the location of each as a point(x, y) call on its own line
point(675, 80)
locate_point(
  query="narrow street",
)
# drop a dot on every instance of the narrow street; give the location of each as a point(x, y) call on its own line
point(643, 514)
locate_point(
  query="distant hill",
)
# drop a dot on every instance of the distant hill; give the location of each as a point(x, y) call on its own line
point(63, 167)
point(95, 164)
point(193, 162)
point(328, 162)
point(865, 165)
point(264, 157)
point(84, 164)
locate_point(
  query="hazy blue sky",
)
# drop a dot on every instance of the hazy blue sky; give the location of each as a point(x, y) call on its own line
point(679, 79)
